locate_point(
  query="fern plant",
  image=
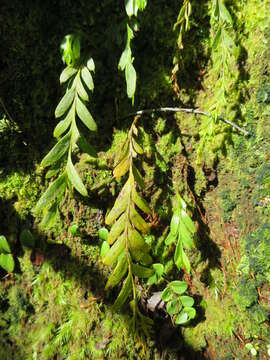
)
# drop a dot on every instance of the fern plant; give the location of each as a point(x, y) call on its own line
point(223, 45)
point(128, 254)
point(72, 111)
point(182, 231)
point(126, 60)
point(179, 306)
point(183, 21)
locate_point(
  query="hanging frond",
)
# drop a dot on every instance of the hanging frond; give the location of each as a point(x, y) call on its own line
point(70, 110)
point(183, 21)
point(182, 230)
point(128, 254)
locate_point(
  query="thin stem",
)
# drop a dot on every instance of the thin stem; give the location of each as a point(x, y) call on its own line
point(186, 110)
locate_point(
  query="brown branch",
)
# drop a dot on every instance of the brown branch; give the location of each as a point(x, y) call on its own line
point(186, 110)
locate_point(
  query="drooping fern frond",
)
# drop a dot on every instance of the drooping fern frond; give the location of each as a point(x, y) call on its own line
point(183, 21)
point(129, 253)
point(223, 45)
point(182, 231)
point(71, 110)
point(126, 61)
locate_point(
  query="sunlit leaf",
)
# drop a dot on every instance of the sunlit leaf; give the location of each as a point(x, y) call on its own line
point(117, 228)
point(123, 153)
point(141, 4)
point(74, 230)
point(174, 223)
point(136, 240)
point(87, 78)
point(125, 58)
point(120, 204)
point(115, 251)
point(224, 13)
point(185, 236)
point(170, 239)
point(81, 90)
point(7, 262)
point(187, 301)
point(186, 262)
point(138, 221)
point(91, 64)
point(56, 189)
point(85, 115)
point(140, 202)
point(50, 217)
point(75, 179)
point(64, 124)
point(167, 294)
point(103, 233)
point(137, 147)
point(181, 318)
point(131, 78)
point(57, 151)
point(105, 247)
point(173, 306)
point(64, 103)
point(122, 168)
point(159, 269)
point(118, 273)
point(177, 286)
point(124, 293)
point(188, 222)
point(153, 279)
point(67, 73)
point(4, 245)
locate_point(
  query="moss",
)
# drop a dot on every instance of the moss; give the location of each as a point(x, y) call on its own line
point(258, 251)
point(219, 322)
point(227, 205)
point(246, 294)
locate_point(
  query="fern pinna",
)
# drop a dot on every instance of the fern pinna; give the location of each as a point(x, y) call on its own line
point(129, 253)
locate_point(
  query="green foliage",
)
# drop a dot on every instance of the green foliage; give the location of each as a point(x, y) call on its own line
point(258, 251)
point(71, 109)
point(182, 231)
point(223, 42)
point(129, 253)
point(247, 294)
point(157, 276)
point(179, 306)
point(6, 258)
point(27, 239)
point(70, 49)
point(183, 21)
point(74, 229)
point(126, 60)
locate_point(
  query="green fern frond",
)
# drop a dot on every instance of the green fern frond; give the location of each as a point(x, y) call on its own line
point(183, 21)
point(129, 253)
point(71, 110)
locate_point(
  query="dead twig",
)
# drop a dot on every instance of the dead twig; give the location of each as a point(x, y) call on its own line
point(186, 110)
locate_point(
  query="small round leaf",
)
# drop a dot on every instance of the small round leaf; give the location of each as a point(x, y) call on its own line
point(103, 233)
point(178, 287)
